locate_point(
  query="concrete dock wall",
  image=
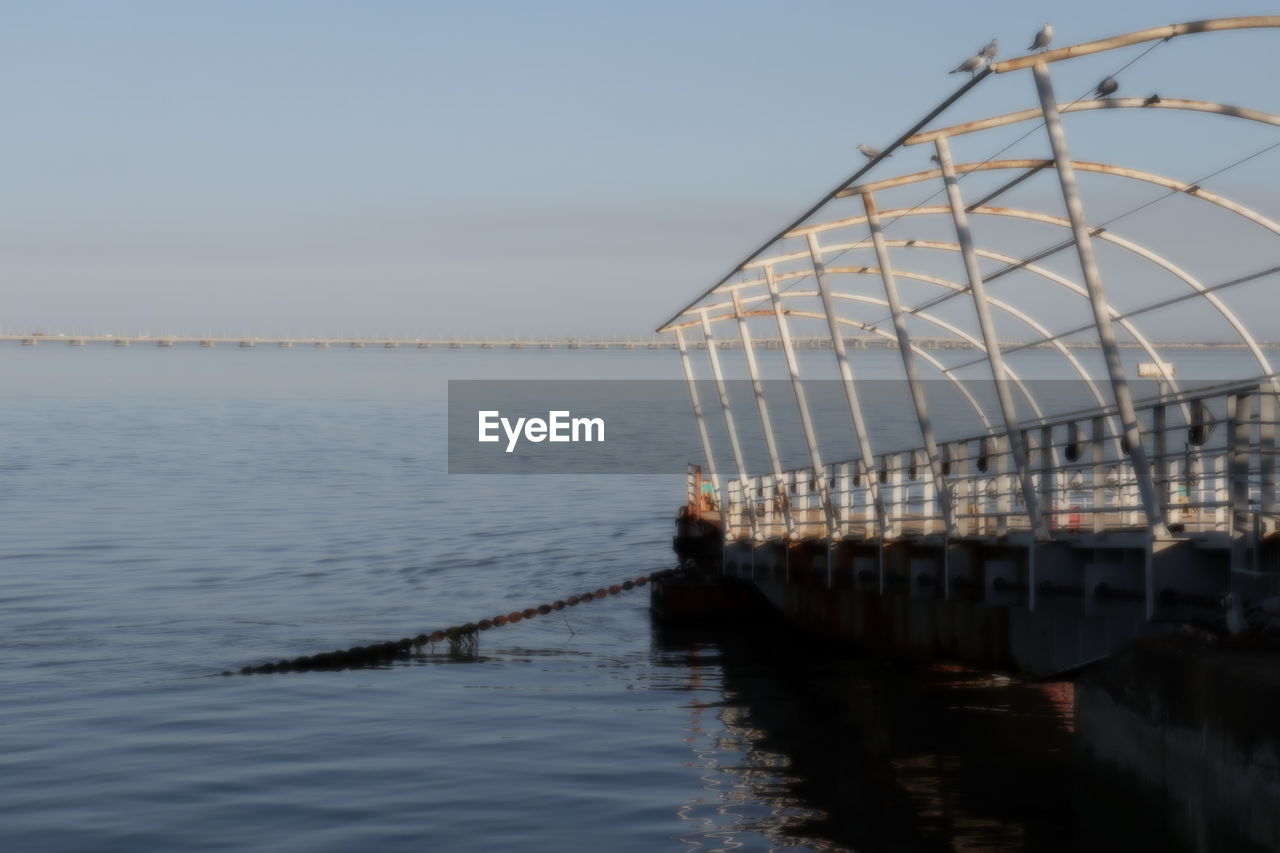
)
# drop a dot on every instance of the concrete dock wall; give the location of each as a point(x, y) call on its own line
point(1189, 732)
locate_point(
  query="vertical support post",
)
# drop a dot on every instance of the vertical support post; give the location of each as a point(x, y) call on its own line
point(990, 339)
point(766, 423)
point(1098, 301)
point(802, 402)
point(1046, 476)
point(702, 431)
point(729, 424)
point(846, 376)
point(1098, 455)
point(1160, 440)
point(1239, 415)
point(905, 349)
point(1267, 454)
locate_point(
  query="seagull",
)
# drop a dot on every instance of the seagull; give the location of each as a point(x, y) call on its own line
point(871, 153)
point(1151, 101)
point(1042, 38)
point(989, 52)
point(1106, 88)
point(972, 65)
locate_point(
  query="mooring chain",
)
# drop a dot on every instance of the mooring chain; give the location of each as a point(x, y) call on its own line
point(458, 635)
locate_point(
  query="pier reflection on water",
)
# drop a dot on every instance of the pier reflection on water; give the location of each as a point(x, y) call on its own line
point(814, 750)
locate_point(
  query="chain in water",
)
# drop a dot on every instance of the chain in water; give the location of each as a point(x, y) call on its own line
point(458, 635)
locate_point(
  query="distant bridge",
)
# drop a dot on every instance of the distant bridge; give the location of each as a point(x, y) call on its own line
point(772, 343)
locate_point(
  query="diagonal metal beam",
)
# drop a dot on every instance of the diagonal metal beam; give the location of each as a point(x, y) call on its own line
point(978, 288)
point(730, 426)
point(918, 398)
point(1098, 301)
point(802, 402)
point(875, 161)
point(766, 423)
point(702, 430)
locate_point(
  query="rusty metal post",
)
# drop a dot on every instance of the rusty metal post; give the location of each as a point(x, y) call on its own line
point(991, 339)
point(802, 402)
point(702, 431)
point(1098, 300)
point(730, 426)
point(907, 352)
point(766, 423)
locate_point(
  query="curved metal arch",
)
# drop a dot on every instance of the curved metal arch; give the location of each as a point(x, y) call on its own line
point(1137, 37)
point(1031, 268)
point(942, 324)
point(1101, 104)
point(1016, 313)
point(936, 321)
point(1033, 215)
point(1193, 190)
point(1035, 269)
point(866, 327)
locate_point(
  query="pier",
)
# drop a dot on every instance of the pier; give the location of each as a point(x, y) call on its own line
point(1050, 541)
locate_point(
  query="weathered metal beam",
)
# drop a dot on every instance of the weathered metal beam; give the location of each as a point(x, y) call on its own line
point(1098, 301)
point(1146, 309)
point(918, 398)
point(1158, 103)
point(1194, 190)
point(762, 407)
point(730, 426)
point(721, 502)
point(999, 373)
point(1146, 254)
point(1136, 37)
point(802, 402)
point(886, 152)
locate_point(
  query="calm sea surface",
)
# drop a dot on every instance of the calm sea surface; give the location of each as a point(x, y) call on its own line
point(169, 514)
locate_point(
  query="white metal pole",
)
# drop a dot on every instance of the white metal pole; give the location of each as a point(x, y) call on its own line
point(766, 423)
point(1097, 299)
point(702, 430)
point(730, 426)
point(991, 339)
point(908, 358)
point(802, 403)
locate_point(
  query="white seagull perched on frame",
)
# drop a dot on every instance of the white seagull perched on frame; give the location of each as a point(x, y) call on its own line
point(973, 64)
point(1042, 38)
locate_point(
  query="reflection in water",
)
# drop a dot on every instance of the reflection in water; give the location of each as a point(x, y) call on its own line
point(800, 749)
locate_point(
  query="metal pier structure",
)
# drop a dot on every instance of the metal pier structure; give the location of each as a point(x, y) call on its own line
point(1049, 538)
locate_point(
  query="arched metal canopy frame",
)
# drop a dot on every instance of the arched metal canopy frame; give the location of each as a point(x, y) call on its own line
point(1226, 110)
point(1018, 314)
point(847, 321)
point(947, 371)
point(1004, 66)
point(1104, 314)
point(1034, 269)
point(1034, 216)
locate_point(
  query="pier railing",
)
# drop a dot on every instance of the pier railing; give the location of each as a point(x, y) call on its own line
point(1212, 451)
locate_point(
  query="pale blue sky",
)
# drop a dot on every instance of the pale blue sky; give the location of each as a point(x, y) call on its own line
point(418, 168)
